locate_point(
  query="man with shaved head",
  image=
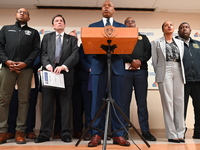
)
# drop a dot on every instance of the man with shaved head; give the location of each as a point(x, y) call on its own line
point(136, 76)
point(19, 47)
point(99, 73)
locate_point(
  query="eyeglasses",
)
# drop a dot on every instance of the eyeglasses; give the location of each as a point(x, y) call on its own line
point(22, 12)
point(130, 21)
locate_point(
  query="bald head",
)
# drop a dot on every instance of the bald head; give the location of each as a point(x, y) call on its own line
point(22, 15)
point(130, 22)
point(107, 9)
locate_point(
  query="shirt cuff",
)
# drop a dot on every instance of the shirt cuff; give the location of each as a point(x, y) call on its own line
point(66, 69)
point(47, 66)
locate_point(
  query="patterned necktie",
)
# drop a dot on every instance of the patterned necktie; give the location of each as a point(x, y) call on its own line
point(108, 22)
point(58, 48)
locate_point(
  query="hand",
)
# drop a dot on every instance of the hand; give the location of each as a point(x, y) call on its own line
point(50, 68)
point(59, 69)
point(9, 62)
point(12, 67)
point(20, 65)
point(132, 68)
point(136, 63)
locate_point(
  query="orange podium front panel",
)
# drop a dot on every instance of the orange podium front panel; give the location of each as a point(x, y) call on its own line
point(124, 38)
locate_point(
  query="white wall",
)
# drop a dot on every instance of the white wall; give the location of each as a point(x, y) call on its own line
point(144, 20)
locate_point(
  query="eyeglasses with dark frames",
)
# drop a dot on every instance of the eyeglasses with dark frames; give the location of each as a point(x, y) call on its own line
point(22, 12)
point(130, 21)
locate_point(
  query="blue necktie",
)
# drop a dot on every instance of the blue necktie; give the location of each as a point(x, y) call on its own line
point(58, 48)
point(108, 22)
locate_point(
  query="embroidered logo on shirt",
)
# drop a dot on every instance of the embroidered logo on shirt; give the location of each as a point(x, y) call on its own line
point(27, 32)
point(195, 45)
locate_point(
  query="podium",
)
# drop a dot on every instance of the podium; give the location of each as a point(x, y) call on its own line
point(93, 37)
point(123, 41)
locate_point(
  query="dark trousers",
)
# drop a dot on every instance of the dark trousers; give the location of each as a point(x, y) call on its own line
point(99, 86)
point(193, 89)
point(136, 79)
point(57, 122)
point(48, 101)
point(78, 106)
point(87, 99)
point(81, 101)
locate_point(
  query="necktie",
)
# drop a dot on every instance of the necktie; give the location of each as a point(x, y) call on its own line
point(108, 22)
point(58, 48)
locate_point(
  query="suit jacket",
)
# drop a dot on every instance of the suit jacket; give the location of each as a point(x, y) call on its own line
point(159, 57)
point(85, 61)
point(69, 54)
point(100, 61)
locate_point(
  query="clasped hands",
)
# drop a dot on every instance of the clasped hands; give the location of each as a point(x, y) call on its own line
point(15, 66)
point(135, 64)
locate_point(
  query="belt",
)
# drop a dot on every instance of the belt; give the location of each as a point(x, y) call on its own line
point(174, 60)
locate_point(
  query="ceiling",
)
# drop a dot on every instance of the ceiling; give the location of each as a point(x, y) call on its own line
point(178, 6)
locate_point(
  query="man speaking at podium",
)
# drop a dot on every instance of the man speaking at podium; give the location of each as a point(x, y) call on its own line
point(99, 73)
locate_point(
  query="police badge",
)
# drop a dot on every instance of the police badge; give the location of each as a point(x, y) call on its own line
point(195, 45)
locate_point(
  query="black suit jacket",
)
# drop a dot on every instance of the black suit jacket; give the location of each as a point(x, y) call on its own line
point(69, 54)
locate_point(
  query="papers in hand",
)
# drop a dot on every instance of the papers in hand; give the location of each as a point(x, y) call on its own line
point(51, 79)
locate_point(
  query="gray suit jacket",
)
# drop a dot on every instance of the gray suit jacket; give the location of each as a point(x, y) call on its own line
point(159, 58)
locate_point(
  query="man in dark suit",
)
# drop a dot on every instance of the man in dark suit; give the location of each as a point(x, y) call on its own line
point(136, 75)
point(99, 73)
point(58, 62)
point(81, 96)
point(84, 76)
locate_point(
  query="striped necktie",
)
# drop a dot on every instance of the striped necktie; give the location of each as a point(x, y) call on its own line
point(108, 22)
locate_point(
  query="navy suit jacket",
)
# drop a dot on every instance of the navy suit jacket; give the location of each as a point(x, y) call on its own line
point(85, 61)
point(100, 61)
